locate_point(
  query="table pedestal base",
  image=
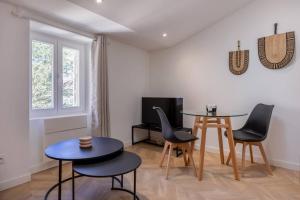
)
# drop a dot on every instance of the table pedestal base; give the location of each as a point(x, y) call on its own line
point(215, 122)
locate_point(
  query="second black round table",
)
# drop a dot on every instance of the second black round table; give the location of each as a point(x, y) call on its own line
point(117, 166)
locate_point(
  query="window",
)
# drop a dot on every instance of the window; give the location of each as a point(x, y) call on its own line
point(57, 76)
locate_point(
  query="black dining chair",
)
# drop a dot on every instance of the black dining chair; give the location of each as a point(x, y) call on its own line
point(173, 140)
point(254, 132)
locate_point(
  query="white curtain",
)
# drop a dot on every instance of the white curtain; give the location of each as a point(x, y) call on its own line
point(100, 120)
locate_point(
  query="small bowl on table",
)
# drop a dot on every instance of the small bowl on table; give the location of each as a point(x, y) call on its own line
point(85, 142)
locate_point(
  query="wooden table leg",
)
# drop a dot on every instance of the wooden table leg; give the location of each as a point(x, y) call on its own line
point(202, 148)
point(229, 155)
point(220, 141)
point(194, 132)
point(232, 148)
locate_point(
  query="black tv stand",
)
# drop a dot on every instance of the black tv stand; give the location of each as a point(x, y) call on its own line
point(153, 128)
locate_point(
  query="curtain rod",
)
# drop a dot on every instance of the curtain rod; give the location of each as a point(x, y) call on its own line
point(25, 14)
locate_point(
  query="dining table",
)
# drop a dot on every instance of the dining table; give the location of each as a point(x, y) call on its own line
point(219, 120)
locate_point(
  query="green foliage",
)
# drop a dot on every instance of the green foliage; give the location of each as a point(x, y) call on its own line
point(70, 77)
point(42, 75)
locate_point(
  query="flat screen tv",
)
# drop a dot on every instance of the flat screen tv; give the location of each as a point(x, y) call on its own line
point(171, 106)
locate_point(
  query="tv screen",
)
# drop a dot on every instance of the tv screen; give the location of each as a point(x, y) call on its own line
point(171, 106)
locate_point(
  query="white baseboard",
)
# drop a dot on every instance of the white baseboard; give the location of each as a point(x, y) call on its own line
point(286, 164)
point(127, 144)
point(27, 177)
point(44, 166)
point(277, 163)
point(15, 181)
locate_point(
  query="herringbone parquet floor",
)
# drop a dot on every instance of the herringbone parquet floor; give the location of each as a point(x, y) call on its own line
point(218, 182)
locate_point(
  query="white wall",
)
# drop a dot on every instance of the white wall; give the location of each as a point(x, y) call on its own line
point(128, 82)
point(14, 79)
point(197, 69)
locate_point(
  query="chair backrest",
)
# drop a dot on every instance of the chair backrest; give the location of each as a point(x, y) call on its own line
point(167, 130)
point(259, 120)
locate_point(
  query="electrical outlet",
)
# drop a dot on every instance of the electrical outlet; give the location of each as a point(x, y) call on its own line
point(1, 158)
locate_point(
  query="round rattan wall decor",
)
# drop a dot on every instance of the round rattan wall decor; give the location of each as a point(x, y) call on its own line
point(238, 61)
point(276, 51)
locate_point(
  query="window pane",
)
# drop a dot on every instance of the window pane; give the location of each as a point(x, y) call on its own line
point(70, 77)
point(42, 75)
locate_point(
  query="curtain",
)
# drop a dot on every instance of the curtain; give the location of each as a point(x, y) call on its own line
point(100, 119)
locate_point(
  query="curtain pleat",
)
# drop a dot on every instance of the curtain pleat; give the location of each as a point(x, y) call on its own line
point(100, 119)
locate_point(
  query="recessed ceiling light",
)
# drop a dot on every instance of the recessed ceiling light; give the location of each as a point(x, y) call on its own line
point(99, 1)
point(165, 35)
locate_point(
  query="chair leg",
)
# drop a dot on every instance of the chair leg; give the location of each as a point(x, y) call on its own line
point(183, 148)
point(244, 154)
point(169, 157)
point(261, 148)
point(163, 154)
point(189, 150)
point(251, 153)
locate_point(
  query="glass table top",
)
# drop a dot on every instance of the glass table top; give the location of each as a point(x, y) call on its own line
point(204, 113)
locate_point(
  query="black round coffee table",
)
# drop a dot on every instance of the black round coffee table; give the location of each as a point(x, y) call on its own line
point(103, 148)
point(117, 166)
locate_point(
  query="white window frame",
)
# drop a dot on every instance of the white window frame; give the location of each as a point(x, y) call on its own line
point(58, 109)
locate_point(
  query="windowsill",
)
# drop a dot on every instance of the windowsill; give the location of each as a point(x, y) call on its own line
point(58, 116)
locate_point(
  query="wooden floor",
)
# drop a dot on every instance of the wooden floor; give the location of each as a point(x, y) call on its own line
point(218, 182)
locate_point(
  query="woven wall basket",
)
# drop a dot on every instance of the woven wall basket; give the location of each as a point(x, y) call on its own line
point(276, 51)
point(238, 61)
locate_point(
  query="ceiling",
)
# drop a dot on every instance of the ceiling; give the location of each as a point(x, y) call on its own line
point(137, 22)
point(38, 27)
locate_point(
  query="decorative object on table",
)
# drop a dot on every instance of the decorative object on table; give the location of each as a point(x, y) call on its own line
point(211, 108)
point(238, 60)
point(276, 51)
point(85, 142)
